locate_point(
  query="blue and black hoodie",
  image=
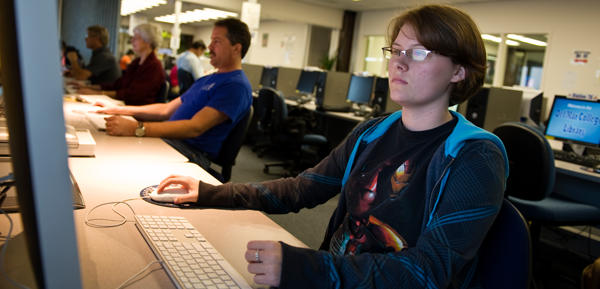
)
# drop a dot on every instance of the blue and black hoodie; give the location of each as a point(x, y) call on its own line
point(465, 183)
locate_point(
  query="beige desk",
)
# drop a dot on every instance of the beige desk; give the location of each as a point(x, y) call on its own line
point(109, 256)
point(116, 148)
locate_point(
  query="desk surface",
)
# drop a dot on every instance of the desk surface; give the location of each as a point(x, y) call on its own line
point(109, 256)
point(117, 148)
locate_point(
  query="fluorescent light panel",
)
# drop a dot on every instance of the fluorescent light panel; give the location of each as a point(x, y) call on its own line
point(133, 6)
point(498, 39)
point(526, 40)
point(196, 15)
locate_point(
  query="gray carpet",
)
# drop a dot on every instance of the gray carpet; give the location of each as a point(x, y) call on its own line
point(309, 224)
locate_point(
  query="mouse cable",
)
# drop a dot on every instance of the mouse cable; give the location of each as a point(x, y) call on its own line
point(138, 274)
point(121, 222)
point(4, 250)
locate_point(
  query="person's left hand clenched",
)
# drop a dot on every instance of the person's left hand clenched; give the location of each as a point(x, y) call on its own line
point(116, 125)
point(265, 259)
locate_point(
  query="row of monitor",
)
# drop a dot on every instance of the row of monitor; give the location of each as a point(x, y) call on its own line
point(570, 120)
point(331, 90)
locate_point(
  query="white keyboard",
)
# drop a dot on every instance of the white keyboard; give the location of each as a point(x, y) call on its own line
point(189, 260)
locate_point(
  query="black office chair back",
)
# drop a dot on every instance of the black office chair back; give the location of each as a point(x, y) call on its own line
point(231, 147)
point(505, 254)
point(531, 161)
point(271, 109)
point(163, 91)
point(185, 80)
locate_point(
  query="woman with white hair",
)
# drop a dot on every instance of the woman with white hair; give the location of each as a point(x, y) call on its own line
point(144, 76)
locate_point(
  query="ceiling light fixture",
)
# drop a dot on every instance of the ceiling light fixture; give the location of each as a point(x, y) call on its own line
point(498, 39)
point(133, 6)
point(527, 40)
point(196, 16)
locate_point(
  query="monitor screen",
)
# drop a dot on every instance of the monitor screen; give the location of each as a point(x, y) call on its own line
point(269, 77)
point(575, 120)
point(360, 89)
point(307, 81)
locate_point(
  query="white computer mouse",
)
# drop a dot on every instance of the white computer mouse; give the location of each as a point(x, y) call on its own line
point(168, 195)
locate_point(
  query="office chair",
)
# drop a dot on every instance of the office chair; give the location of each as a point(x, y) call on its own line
point(531, 180)
point(185, 80)
point(230, 148)
point(505, 254)
point(163, 91)
point(273, 111)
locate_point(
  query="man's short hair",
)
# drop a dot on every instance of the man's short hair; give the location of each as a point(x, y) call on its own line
point(100, 32)
point(199, 44)
point(452, 32)
point(237, 32)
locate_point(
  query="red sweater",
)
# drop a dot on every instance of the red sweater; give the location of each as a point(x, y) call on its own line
point(140, 84)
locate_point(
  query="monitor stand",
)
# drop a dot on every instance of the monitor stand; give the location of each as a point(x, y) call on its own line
point(361, 111)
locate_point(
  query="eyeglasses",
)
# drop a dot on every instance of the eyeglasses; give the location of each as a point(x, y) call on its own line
point(410, 54)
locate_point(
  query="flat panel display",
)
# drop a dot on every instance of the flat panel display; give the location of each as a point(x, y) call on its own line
point(360, 89)
point(575, 120)
point(307, 81)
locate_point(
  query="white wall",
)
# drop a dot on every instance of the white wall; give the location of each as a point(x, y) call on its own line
point(570, 24)
point(274, 53)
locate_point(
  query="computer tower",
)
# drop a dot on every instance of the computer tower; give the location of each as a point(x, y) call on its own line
point(382, 98)
point(332, 90)
point(492, 106)
point(253, 73)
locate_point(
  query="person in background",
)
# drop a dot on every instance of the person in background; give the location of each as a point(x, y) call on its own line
point(418, 189)
point(103, 66)
point(174, 80)
point(199, 120)
point(144, 76)
point(126, 60)
point(190, 59)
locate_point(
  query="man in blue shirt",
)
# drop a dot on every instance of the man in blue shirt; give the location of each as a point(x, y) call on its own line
point(199, 120)
point(190, 60)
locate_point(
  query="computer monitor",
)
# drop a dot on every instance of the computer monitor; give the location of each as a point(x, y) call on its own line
point(34, 113)
point(253, 73)
point(533, 104)
point(306, 83)
point(360, 91)
point(287, 80)
point(269, 77)
point(492, 106)
point(574, 121)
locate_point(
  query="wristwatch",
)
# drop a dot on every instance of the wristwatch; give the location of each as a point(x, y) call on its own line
point(140, 130)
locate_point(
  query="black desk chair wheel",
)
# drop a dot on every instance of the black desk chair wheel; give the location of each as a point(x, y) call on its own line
point(230, 148)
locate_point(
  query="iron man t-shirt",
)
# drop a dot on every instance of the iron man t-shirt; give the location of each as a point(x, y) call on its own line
point(386, 194)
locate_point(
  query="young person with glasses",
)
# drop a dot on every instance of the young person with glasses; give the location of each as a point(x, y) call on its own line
point(419, 189)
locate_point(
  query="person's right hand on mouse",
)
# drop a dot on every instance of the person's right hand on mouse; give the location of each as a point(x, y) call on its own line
point(188, 182)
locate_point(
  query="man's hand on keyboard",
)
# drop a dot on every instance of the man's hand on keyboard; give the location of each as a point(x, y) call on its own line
point(188, 182)
point(116, 125)
point(268, 270)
